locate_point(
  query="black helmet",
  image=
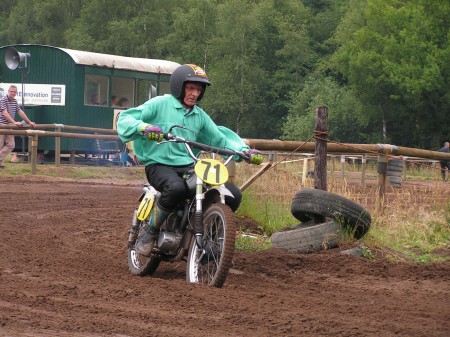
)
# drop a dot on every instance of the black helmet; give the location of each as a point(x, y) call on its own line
point(187, 73)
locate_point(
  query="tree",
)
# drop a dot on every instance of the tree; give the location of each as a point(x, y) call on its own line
point(346, 123)
point(260, 51)
point(40, 22)
point(236, 72)
point(398, 63)
point(193, 26)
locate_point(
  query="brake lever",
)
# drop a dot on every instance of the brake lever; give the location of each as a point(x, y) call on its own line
point(243, 155)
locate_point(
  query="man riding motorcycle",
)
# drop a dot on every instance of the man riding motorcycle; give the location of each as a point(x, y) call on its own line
point(165, 167)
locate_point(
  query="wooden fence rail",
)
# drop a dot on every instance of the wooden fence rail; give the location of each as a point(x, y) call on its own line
point(382, 151)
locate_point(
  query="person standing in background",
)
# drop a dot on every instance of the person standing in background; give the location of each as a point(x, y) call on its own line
point(9, 108)
point(445, 164)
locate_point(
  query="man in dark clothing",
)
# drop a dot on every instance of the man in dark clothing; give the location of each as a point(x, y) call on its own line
point(445, 164)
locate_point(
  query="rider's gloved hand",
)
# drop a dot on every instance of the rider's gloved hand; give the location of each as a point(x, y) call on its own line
point(152, 132)
point(255, 157)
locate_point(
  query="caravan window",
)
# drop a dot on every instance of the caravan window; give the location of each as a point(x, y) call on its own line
point(123, 89)
point(96, 89)
point(149, 89)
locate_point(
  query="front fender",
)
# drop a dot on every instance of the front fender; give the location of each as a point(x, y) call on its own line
point(212, 196)
point(222, 190)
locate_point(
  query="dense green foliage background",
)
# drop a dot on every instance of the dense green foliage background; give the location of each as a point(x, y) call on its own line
point(381, 66)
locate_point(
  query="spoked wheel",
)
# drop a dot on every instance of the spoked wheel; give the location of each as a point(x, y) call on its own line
point(210, 266)
point(141, 265)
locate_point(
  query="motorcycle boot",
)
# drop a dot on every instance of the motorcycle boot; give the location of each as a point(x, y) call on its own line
point(149, 233)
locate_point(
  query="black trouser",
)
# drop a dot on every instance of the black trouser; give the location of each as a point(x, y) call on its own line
point(445, 165)
point(168, 180)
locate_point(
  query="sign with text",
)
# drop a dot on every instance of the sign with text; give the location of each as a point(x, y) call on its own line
point(37, 94)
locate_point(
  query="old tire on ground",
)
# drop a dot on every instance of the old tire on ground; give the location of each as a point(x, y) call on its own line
point(308, 237)
point(309, 203)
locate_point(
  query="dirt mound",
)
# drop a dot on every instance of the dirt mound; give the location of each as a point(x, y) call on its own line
point(63, 272)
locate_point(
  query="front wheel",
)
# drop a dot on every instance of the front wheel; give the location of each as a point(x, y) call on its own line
point(210, 266)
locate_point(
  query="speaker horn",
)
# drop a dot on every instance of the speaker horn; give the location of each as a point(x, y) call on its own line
point(14, 59)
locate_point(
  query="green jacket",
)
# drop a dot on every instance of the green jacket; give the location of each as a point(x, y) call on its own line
point(166, 111)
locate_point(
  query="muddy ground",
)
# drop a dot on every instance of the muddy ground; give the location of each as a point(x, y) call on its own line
point(63, 272)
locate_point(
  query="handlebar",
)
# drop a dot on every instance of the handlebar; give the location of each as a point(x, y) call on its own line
point(170, 137)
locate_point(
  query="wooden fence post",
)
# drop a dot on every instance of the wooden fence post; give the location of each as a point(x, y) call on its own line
point(58, 146)
point(381, 169)
point(34, 146)
point(363, 170)
point(321, 131)
point(232, 171)
point(404, 167)
point(30, 148)
point(305, 170)
point(273, 158)
point(342, 166)
point(333, 162)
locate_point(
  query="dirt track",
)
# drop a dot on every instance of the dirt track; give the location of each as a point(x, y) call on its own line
point(63, 272)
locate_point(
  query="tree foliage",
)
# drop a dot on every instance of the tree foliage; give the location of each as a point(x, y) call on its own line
point(400, 64)
point(381, 66)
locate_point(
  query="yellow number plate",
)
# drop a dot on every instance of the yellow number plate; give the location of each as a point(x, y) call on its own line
point(145, 206)
point(211, 171)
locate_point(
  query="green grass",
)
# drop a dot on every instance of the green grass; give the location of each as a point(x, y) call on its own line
point(78, 171)
point(414, 225)
point(267, 212)
point(249, 242)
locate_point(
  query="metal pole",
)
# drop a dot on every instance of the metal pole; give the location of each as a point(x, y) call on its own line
point(23, 109)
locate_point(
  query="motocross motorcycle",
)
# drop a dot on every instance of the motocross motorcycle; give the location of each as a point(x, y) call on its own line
point(201, 230)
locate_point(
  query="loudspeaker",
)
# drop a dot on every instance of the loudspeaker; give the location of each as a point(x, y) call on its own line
point(14, 59)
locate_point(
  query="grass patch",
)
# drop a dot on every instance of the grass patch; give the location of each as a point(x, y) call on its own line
point(78, 171)
point(250, 242)
point(268, 213)
point(413, 225)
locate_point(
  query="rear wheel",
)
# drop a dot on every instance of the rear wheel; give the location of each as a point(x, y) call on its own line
point(210, 266)
point(141, 265)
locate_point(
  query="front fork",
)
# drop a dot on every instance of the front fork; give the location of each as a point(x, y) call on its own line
point(134, 230)
point(198, 216)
